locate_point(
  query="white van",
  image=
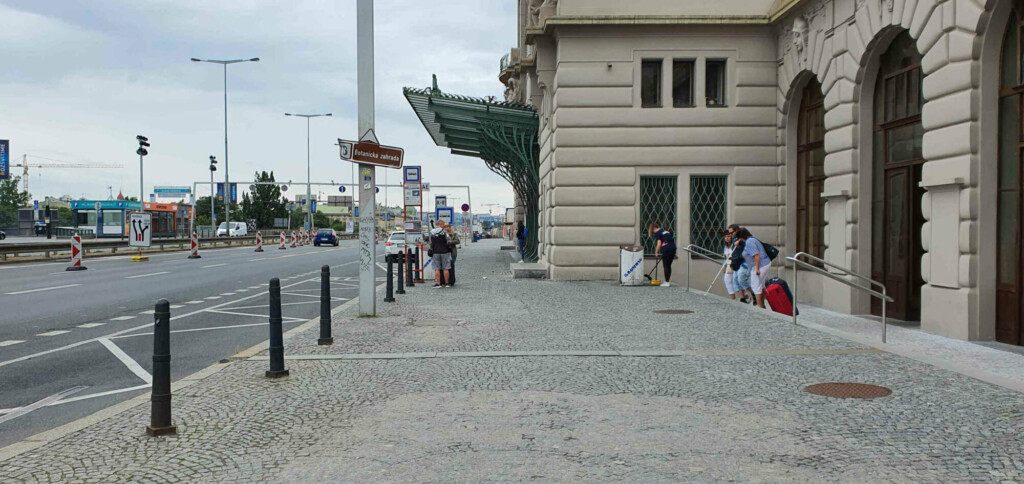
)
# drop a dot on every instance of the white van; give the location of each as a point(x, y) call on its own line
point(238, 229)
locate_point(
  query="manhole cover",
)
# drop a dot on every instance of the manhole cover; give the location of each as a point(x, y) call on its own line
point(848, 390)
point(673, 311)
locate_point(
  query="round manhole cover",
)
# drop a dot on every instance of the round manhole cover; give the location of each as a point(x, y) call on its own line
point(848, 390)
point(673, 311)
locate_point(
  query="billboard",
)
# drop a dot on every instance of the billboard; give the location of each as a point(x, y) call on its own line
point(5, 159)
point(234, 192)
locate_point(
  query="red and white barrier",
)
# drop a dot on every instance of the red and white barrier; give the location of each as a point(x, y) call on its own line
point(194, 253)
point(259, 242)
point(282, 247)
point(293, 239)
point(76, 254)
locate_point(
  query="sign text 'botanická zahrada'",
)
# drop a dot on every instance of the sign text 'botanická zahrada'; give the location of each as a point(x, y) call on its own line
point(369, 151)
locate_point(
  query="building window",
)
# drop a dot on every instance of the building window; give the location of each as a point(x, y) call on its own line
point(682, 83)
point(708, 211)
point(650, 83)
point(714, 84)
point(810, 166)
point(659, 203)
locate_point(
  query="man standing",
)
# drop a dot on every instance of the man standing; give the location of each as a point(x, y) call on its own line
point(440, 255)
point(521, 235)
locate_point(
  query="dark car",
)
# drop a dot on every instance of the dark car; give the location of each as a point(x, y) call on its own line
point(3, 235)
point(325, 236)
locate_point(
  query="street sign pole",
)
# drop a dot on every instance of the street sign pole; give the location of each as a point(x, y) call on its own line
point(367, 184)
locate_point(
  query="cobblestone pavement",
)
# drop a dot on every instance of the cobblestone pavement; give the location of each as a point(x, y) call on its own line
point(730, 406)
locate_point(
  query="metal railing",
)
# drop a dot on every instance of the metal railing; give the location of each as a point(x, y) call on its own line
point(796, 290)
point(702, 253)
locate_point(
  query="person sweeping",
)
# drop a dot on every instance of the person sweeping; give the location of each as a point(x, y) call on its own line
point(665, 248)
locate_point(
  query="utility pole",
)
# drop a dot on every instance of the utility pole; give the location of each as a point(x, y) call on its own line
point(367, 217)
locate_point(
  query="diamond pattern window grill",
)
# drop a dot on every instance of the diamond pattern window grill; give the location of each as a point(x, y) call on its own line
point(707, 211)
point(659, 202)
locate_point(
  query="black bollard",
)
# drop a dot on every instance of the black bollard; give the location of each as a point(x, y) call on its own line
point(408, 268)
point(401, 274)
point(160, 419)
point(325, 307)
point(389, 288)
point(276, 338)
point(419, 265)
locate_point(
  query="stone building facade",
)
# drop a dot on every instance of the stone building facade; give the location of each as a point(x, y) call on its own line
point(880, 135)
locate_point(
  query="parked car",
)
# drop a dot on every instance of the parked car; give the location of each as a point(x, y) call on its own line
point(2, 235)
point(326, 236)
point(395, 243)
point(238, 229)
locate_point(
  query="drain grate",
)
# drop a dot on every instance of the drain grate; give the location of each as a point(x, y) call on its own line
point(848, 390)
point(673, 311)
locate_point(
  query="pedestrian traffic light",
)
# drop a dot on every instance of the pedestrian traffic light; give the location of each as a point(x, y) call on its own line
point(213, 163)
point(143, 144)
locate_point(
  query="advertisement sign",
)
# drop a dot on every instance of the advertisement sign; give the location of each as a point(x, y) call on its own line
point(349, 227)
point(234, 192)
point(139, 233)
point(441, 201)
point(413, 196)
point(510, 215)
point(5, 159)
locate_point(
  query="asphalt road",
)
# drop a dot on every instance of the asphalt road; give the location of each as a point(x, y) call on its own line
point(89, 332)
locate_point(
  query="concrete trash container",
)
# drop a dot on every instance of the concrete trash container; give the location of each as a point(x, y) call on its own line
point(631, 266)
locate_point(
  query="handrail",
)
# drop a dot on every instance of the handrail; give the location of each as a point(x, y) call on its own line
point(796, 289)
point(714, 257)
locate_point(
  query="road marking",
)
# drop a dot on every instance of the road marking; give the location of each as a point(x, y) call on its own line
point(127, 360)
point(91, 325)
point(11, 342)
point(53, 333)
point(194, 302)
point(151, 311)
point(228, 294)
point(41, 403)
point(213, 297)
point(213, 265)
point(41, 289)
point(122, 318)
point(147, 275)
point(297, 320)
point(83, 397)
point(177, 306)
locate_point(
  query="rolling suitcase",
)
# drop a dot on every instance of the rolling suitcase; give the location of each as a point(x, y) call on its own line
point(779, 297)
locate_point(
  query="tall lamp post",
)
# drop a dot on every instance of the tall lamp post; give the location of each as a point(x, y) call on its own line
point(213, 206)
point(227, 182)
point(309, 204)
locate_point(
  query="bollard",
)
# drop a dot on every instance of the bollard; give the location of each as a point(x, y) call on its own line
point(389, 290)
point(325, 307)
point(194, 253)
point(401, 273)
point(160, 418)
point(276, 338)
point(76, 254)
point(282, 247)
point(259, 242)
point(419, 264)
point(408, 268)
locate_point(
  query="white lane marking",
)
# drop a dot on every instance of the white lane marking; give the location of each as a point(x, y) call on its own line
point(213, 297)
point(228, 294)
point(147, 275)
point(233, 313)
point(41, 289)
point(91, 325)
point(206, 329)
point(213, 265)
point(41, 403)
point(177, 306)
point(127, 360)
point(122, 318)
point(194, 302)
point(150, 311)
point(144, 326)
point(11, 342)
point(83, 397)
point(53, 333)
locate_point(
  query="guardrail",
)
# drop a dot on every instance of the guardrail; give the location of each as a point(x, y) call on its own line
point(702, 253)
point(796, 291)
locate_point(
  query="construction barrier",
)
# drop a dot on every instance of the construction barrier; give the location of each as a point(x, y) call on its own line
point(293, 240)
point(259, 242)
point(76, 254)
point(282, 247)
point(194, 253)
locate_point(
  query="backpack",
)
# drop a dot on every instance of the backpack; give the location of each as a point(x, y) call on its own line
point(770, 250)
point(736, 259)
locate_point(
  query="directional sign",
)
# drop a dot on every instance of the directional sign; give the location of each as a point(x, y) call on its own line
point(369, 151)
point(341, 189)
point(139, 230)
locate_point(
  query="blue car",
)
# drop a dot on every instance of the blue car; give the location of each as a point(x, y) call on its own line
point(325, 236)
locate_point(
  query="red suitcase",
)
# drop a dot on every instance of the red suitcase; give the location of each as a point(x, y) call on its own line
point(778, 299)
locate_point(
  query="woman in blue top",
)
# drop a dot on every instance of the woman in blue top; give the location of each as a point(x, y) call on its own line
point(757, 259)
point(665, 248)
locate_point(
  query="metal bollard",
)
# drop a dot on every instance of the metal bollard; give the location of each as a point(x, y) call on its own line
point(325, 307)
point(277, 369)
point(389, 290)
point(160, 418)
point(401, 274)
point(419, 264)
point(408, 268)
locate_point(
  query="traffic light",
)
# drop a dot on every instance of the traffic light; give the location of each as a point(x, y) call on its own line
point(143, 144)
point(213, 163)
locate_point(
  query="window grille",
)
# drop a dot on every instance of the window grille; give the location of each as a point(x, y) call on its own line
point(659, 202)
point(708, 210)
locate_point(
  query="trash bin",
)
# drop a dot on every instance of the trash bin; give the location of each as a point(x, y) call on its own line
point(631, 266)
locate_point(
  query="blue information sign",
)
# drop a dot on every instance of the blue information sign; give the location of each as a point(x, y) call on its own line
point(412, 174)
point(312, 206)
point(5, 159)
point(234, 192)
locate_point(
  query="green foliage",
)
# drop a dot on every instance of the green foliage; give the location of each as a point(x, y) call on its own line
point(10, 195)
point(64, 216)
point(202, 208)
point(265, 203)
point(320, 220)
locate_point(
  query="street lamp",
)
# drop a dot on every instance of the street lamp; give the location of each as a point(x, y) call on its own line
point(227, 182)
point(213, 208)
point(309, 218)
point(142, 151)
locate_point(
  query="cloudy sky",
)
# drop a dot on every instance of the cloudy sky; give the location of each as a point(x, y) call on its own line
point(79, 79)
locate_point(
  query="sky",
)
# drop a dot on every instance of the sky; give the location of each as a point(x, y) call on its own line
point(80, 79)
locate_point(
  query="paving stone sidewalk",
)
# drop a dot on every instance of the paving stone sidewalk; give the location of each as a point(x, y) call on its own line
point(500, 380)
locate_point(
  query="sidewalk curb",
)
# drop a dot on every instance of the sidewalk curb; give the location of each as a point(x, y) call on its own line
point(38, 440)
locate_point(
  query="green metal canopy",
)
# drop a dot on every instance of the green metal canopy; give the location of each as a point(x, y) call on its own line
point(502, 134)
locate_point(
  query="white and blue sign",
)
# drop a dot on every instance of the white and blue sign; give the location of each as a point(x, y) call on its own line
point(312, 206)
point(445, 213)
point(441, 201)
point(160, 191)
point(234, 192)
point(341, 189)
point(5, 159)
point(411, 174)
point(35, 205)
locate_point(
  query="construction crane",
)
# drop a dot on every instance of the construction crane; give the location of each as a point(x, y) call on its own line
point(56, 164)
point(490, 209)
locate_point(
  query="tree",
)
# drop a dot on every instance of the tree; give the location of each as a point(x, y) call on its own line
point(265, 203)
point(10, 199)
point(202, 209)
point(320, 220)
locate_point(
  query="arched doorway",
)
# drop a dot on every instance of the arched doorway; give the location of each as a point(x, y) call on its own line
point(1009, 259)
point(896, 194)
point(810, 156)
